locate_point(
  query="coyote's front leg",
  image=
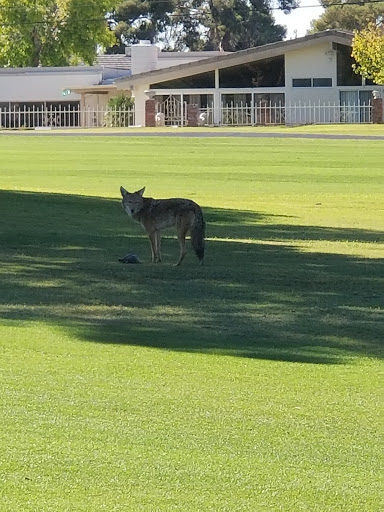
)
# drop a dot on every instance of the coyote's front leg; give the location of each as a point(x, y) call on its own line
point(155, 246)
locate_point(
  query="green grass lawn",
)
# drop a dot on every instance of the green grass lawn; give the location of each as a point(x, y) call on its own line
point(252, 383)
point(327, 129)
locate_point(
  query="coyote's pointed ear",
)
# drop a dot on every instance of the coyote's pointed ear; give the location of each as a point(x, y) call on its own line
point(141, 191)
point(123, 191)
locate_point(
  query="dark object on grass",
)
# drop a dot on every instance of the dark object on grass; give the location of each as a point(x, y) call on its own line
point(130, 258)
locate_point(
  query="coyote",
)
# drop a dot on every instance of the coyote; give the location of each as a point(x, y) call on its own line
point(157, 214)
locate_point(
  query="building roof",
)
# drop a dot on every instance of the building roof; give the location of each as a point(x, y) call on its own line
point(167, 59)
point(118, 61)
point(236, 58)
point(52, 70)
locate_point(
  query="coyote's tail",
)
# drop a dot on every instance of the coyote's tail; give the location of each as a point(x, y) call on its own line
point(198, 235)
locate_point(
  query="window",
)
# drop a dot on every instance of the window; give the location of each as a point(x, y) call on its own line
point(200, 81)
point(355, 106)
point(312, 82)
point(345, 73)
point(30, 115)
point(301, 82)
point(322, 82)
point(263, 73)
point(236, 100)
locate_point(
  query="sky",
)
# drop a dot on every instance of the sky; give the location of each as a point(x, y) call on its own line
point(299, 20)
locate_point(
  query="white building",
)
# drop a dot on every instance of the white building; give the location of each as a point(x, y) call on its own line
point(274, 83)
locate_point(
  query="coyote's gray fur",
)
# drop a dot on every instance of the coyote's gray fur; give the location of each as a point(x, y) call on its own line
point(157, 214)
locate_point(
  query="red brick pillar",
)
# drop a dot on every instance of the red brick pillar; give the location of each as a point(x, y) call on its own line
point(193, 115)
point(150, 113)
point(377, 111)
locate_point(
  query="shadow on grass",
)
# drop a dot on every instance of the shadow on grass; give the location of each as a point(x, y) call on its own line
point(258, 296)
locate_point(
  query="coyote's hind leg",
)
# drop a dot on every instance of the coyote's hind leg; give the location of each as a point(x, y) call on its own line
point(181, 237)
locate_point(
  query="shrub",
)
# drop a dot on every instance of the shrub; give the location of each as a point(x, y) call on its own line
point(120, 111)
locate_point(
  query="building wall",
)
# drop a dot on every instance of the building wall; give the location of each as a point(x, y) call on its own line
point(318, 61)
point(44, 84)
point(95, 101)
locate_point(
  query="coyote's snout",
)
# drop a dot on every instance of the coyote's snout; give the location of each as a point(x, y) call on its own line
point(157, 214)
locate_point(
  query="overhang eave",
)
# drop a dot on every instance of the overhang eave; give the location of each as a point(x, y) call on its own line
point(93, 89)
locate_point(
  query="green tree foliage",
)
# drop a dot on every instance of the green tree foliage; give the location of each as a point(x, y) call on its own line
point(199, 24)
point(237, 24)
point(141, 19)
point(52, 32)
point(349, 16)
point(368, 52)
point(120, 102)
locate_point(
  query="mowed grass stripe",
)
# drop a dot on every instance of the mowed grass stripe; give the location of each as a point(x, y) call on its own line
point(252, 383)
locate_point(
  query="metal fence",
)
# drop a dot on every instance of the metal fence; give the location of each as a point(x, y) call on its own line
point(293, 114)
point(228, 115)
point(328, 113)
point(65, 117)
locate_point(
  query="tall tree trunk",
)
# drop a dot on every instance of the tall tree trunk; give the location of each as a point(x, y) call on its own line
point(225, 44)
point(36, 52)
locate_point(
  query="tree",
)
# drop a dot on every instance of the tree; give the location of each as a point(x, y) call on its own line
point(199, 24)
point(52, 32)
point(138, 19)
point(368, 52)
point(348, 16)
point(233, 25)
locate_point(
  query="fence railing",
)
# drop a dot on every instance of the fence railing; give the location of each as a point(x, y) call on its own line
point(328, 113)
point(65, 117)
point(227, 115)
point(294, 114)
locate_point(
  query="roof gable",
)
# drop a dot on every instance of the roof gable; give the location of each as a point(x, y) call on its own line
point(241, 57)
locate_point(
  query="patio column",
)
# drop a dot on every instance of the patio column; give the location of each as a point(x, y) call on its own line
point(82, 110)
point(216, 100)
